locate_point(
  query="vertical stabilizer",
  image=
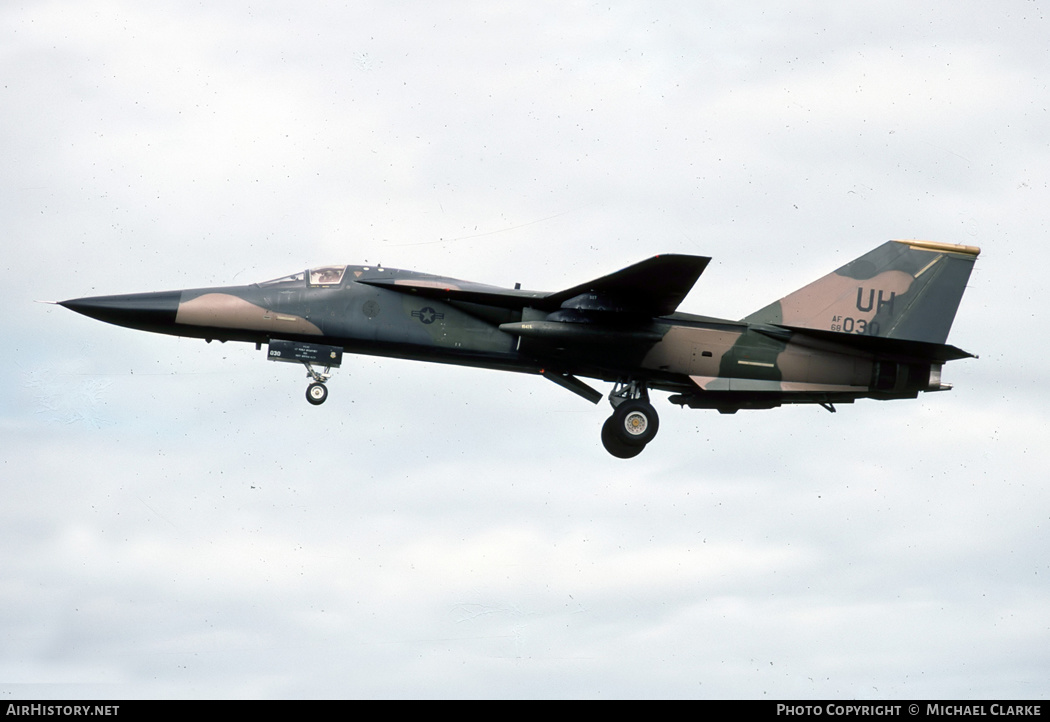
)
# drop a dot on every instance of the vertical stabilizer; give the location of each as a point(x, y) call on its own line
point(902, 289)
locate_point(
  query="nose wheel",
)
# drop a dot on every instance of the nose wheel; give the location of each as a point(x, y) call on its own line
point(316, 393)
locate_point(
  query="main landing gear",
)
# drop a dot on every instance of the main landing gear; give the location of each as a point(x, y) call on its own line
point(317, 392)
point(633, 423)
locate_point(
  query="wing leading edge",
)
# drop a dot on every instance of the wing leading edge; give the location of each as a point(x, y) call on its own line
point(653, 287)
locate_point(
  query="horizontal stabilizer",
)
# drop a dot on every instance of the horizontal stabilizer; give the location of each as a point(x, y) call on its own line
point(902, 349)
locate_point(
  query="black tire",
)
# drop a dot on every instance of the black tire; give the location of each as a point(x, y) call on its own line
point(635, 422)
point(612, 443)
point(316, 393)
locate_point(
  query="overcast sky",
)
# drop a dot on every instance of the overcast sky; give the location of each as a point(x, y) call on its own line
point(179, 522)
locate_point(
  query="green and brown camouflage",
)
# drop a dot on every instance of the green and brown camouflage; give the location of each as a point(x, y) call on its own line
point(902, 289)
point(875, 328)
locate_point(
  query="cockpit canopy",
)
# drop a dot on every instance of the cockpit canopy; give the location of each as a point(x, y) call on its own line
point(326, 275)
point(320, 276)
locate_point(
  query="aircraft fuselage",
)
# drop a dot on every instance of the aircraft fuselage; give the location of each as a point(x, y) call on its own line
point(620, 328)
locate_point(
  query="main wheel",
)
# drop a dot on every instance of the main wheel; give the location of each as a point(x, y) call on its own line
point(635, 422)
point(612, 443)
point(316, 393)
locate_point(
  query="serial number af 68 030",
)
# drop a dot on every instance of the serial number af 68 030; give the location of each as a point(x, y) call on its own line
point(854, 325)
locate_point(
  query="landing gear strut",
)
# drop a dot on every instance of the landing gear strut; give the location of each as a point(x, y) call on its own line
point(633, 423)
point(317, 392)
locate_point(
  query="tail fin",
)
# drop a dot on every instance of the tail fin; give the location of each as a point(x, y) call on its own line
point(902, 289)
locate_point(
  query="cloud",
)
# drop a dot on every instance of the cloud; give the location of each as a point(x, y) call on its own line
point(181, 523)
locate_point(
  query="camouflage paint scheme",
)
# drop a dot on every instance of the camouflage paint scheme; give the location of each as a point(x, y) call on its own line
point(874, 328)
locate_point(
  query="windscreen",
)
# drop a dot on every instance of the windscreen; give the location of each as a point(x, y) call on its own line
point(294, 278)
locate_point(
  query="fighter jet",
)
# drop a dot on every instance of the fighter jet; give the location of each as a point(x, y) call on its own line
point(875, 328)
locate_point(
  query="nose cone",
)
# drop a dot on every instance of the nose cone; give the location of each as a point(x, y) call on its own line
point(145, 311)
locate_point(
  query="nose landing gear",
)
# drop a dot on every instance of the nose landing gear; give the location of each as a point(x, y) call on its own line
point(308, 354)
point(634, 421)
point(317, 392)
